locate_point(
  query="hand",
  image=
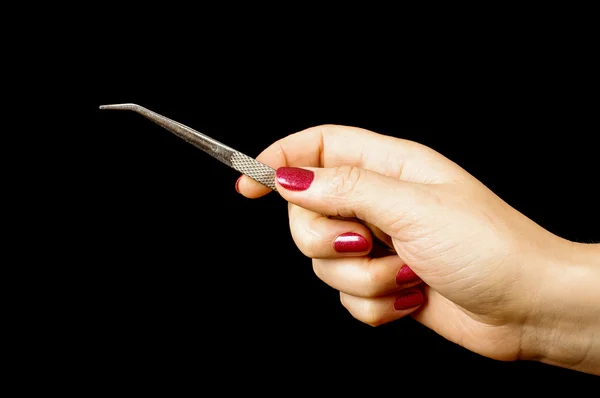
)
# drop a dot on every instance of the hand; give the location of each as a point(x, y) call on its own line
point(468, 265)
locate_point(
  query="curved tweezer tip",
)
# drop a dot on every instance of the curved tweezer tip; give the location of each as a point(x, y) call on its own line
point(205, 143)
point(121, 106)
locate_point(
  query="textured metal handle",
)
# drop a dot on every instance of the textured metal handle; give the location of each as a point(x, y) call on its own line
point(254, 169)
point(266, 175)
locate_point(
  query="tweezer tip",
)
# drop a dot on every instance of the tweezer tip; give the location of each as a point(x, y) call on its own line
point(128, 106)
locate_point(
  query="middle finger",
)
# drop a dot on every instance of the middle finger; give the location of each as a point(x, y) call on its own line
point(318, 236)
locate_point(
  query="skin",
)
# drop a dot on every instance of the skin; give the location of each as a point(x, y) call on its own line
point(491, 279)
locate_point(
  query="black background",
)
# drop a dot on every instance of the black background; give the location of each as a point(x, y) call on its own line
point(170, 278)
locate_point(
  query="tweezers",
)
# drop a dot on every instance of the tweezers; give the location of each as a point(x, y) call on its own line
point(246, 165)
point(254, 169)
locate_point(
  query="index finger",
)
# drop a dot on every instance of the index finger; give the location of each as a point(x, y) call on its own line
point(335, 145)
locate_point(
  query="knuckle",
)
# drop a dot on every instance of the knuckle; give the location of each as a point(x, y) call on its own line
point(317, 268)
point(306, 244)
point(364, 310)
point(305, 241)
point(375, 278)
point(343, 301)
point(370, 314)
point(345, 180)
point(303, 245)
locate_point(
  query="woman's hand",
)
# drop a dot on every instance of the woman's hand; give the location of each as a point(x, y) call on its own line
point(468, 265)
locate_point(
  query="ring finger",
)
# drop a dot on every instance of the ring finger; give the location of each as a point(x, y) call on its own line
point(379, 310)
point(366, 276)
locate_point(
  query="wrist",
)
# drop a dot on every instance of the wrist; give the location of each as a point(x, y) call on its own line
point(563, 323)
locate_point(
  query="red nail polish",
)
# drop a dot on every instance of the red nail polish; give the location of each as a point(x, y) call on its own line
point(350, 242)
point(406, 275)
point(408, 299)
point(294, 179)
point(237, 184)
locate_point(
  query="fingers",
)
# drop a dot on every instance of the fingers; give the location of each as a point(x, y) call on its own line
point(381, 310)
point(318, 236)
point(333, 145)
point(352, 192)
point(365, 276)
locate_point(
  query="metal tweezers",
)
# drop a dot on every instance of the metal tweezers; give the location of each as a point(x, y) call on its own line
point(244, 164)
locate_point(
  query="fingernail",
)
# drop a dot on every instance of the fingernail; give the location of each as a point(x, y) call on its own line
point(406, 275)
point(237, 185)
point(350, 242)
point(294, 179)
point(408, 299)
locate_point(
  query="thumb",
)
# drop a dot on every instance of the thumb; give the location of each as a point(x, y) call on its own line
point(353, 192)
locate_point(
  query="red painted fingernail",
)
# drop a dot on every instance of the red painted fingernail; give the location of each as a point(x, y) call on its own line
point(406, 275)
point(294, 179)
point(237, 184)
point(350, 242)
point(408, 299)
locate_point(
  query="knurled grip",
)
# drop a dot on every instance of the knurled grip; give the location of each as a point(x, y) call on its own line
point(254, 169)
point(266, 176)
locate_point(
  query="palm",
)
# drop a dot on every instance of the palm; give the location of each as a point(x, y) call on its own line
point(499, 340)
